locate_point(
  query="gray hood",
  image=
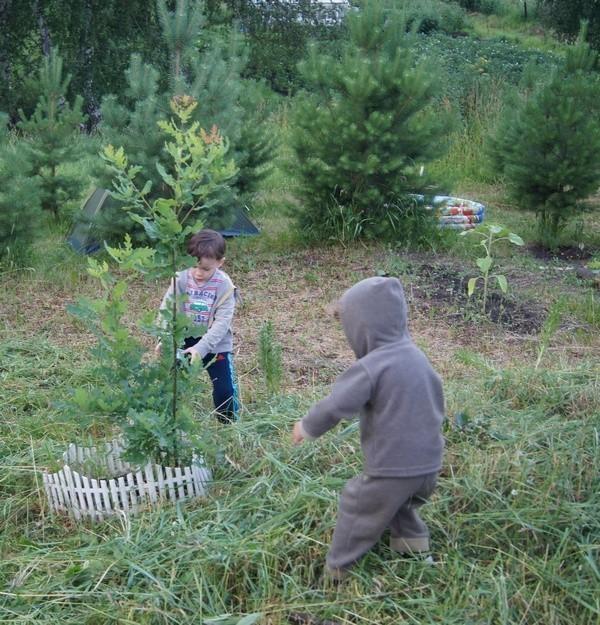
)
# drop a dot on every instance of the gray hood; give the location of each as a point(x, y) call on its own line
point(373, 314)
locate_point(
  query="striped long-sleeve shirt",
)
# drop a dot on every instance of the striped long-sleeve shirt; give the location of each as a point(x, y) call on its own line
point(210, 304)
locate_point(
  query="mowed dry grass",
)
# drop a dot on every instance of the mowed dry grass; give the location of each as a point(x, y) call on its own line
point(294, 289)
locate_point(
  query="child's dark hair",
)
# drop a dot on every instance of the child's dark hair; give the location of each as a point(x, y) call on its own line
point(207, 244)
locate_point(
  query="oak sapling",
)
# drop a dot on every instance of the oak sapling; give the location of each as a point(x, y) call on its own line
point(147, 397)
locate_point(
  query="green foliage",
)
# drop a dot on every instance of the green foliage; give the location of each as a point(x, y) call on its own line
point(19, 200)
point(208, 70)
point(50, 134)
point(566, 15)
point(490, 235)
point(150, 400)
point(487, 7)
point(269, 357)
point(96, 40)
point(364, 133)
point(551, 325)
point(278, 34)
point(433, 15)
point(470, 69)
point(548, 143)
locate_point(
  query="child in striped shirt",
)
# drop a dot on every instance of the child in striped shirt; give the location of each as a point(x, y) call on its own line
point(209, 302)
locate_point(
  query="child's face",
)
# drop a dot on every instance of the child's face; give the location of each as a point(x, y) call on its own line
point(205, 268)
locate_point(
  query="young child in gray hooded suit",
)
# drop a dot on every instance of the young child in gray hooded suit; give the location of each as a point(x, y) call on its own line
point(399, 398)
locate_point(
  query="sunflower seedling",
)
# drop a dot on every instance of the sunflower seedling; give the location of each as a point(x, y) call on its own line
point(490, 235)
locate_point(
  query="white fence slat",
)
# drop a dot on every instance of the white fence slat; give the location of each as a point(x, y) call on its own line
point(66, 489)
point(123, 495)
point(61, 496)
point(132, 492)
point(72, 490)
point(50, 491)
point(162, 491)
point(141, 486)
point(179, 482)
point(79, 490)
point(105, 494)
point(98, 504)
point(189, 482)
point(114, 493)
point(169, 481)
point(150, 483)
point(87, 495)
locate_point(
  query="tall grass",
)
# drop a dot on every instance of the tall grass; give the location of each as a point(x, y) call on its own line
point(515, 521)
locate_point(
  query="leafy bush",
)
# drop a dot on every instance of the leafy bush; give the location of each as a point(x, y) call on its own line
point(364, 133)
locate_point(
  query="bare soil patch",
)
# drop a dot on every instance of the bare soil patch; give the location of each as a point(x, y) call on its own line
point(294, 290)
point(563, 253)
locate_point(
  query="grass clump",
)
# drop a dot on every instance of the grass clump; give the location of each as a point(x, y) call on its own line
point(514, 521)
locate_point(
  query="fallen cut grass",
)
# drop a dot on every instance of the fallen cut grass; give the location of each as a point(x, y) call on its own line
point(515, 521)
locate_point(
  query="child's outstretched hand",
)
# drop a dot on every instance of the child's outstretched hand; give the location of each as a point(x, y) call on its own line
point(192, 353)
point(297, 436)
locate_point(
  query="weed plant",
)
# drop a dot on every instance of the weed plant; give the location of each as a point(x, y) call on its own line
point(269, 357)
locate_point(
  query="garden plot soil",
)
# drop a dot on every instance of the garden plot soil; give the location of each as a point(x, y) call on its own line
point(564, 253)
point(436, 285)
point(294, 290)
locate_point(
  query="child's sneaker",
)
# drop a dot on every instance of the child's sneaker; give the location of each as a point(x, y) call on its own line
point(410, 546)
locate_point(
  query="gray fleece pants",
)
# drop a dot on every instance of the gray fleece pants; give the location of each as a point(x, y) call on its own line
point(368, 506)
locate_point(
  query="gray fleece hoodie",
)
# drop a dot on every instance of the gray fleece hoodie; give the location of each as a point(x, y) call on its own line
point(392, 386)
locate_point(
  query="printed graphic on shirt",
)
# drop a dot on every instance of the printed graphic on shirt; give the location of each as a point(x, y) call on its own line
point(201, 299)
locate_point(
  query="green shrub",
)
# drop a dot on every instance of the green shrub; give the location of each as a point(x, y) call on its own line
point(366, 130)
point(20, 207)
point(548, 144)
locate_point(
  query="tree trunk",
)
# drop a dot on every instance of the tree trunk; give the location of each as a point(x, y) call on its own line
point(43, 27)
point(86, 54)
point(525, 9)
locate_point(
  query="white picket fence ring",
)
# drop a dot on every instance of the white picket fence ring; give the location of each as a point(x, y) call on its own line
point(126, 489)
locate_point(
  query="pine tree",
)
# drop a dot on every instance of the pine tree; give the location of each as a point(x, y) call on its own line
point(548, 143)
point(208, 69)
point(50, 137)
point(19, 199)
point(365, 133)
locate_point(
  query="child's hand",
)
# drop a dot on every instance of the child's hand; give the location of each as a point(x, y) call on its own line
point(192, 353)
point(297, 436)
point(158, 348)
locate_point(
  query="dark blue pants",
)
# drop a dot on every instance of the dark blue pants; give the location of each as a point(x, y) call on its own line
point(222, 375)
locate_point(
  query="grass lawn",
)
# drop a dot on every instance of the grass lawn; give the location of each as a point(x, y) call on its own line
point(515, 520)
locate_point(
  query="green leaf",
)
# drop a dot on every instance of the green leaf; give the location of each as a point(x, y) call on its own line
point(515, 238)
point(495, 229)
point(484, 263)
point(166, 176)
point(250, 619)
point(502, 283)
point(471, 286)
